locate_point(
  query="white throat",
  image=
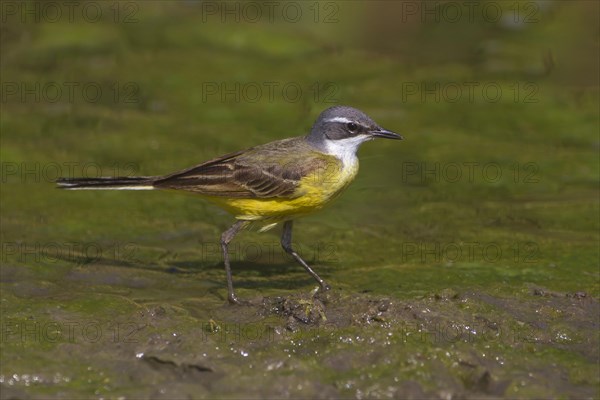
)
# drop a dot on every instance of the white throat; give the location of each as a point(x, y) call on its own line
point(345, 149)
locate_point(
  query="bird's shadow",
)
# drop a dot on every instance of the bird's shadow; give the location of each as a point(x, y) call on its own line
point(255, 274)
point(285, 273)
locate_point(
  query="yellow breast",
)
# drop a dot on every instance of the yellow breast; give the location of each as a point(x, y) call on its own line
point(315, 191)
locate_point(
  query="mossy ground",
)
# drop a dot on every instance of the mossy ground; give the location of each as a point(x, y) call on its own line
point(464, 260)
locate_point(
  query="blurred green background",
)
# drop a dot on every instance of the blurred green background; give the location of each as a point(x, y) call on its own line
point(493, 195)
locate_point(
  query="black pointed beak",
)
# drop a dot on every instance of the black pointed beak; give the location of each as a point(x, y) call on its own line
point(383, 133)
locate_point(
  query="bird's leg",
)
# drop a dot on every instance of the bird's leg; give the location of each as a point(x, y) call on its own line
point(226, 237)
point(286, 243)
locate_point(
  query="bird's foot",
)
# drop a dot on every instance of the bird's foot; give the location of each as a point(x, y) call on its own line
point(322, 288)
point(234, 300)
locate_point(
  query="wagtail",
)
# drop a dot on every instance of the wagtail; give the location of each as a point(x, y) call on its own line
point(272, 183)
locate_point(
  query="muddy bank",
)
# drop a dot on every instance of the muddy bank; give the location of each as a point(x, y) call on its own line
point(326, 345)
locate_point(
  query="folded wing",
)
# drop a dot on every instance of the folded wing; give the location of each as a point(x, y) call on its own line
point(269, 171)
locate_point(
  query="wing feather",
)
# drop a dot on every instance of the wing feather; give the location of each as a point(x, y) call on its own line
point(273, 170)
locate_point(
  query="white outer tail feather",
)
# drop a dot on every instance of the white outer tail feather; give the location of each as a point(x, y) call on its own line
point(67, 187)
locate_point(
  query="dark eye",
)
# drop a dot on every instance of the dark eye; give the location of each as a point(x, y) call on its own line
point(352, 127)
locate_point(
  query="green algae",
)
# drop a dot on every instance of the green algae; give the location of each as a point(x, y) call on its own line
point(472, 285)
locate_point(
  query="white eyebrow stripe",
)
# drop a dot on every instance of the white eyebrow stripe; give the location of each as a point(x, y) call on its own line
point(339, 119)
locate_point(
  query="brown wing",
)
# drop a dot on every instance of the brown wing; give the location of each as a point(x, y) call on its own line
point(271, 170)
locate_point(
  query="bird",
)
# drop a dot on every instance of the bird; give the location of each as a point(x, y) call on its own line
point(268, 184)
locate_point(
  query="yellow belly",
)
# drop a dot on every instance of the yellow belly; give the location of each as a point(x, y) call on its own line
point(315, 191)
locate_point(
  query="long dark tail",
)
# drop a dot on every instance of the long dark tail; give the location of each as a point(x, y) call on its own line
point(107, 183)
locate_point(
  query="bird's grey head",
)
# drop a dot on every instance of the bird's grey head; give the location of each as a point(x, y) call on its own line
point(342, 129)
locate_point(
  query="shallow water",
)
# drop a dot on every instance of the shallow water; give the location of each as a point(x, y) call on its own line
point(463, 260)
